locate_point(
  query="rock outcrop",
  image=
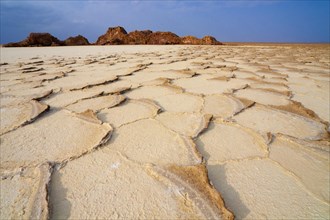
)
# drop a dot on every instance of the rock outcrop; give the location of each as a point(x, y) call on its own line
point(77, 40)
point(209, 40)
point(46, 39)
point(118, 35)
point(191, 40)
point(139, 37)
point(164, 38)
point(37, 40)
point(115, 36)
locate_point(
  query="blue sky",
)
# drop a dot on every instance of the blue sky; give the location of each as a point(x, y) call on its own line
point(244, 21)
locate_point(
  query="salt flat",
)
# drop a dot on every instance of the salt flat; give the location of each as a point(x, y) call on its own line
point(165, 132)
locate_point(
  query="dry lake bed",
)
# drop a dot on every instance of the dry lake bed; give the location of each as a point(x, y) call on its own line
point(165, 132)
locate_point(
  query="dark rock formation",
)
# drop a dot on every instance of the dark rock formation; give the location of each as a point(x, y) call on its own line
point(114, 35)
point(209, 40)
point(118, 35)
point(139, 37)
point(12, 45)
point(191, 40)
point(37, 40)
point(164, 38)
point(42, 39)
point(75, 41)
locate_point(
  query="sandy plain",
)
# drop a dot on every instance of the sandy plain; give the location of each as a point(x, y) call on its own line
point(165, 132)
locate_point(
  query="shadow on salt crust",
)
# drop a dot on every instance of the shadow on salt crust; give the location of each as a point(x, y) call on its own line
point(253, 189)
point(24, 194)
point(310, 165)
point(129, 190)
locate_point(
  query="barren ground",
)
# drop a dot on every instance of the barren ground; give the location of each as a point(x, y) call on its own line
point(165, 132)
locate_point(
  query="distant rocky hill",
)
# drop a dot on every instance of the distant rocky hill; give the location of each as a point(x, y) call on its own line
point(77, 40)
point(115, 36)
point(118, 35)
point(46, 39)
point(37, 39)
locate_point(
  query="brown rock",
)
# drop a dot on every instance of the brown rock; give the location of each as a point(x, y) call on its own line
point(191, 40)
point(118, 35)
point(209, 40)
point(164, 38)
point(139, 37)
point(41, 39)
point(12, 44)
point(77, 40)
point(114, 35)
point(37, 40)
